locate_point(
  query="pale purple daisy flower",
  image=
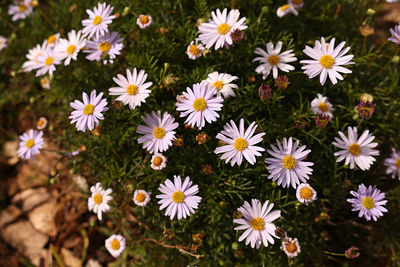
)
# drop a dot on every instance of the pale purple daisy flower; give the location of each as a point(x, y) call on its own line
point(69, 48)
point(141, 198)
point(98, 201)
point(257, 221)
point(327, 61)
point(223, 82)
point(107, 45)
point(20, 9)
point(369, 201)
point(287, 165)
point(239, 143)
point(87, 114)
point(179, 199)
point(285, 10)
point(115, 244)
point(30, 144)
point(395, 34)
point(3, 42)
point(291, 247)
point(306, 194)
point(32, 56)
point(158, 133)
point(200, 105)
point(321, 105)
point(356, 150)
point(144, 21)
point(393, 164)
point(47, 62)
point(98, 21)
point(194, 50)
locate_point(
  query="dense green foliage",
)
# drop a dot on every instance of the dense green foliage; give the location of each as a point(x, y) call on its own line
point(115, 158)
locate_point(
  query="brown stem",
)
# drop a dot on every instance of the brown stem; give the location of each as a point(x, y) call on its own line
point(181, 249)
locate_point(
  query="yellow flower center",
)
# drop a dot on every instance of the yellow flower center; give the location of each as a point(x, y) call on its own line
point(52, 39)
point(178, 197)
point(218, 84)
point(44, 81)
point(88, 109)
point(71, 49)
point(30, 143)
point(398, 163)
point(223, 28)
point(323, 107)
point(257, 224)
point(291, 247)
point(284, 7)
point(194, 50)
point(306, 193)
point(157, 161)
point(199, 104)
point(104, 46)
point(97, 20)
point(355, 149)
point(273, 59)
point(22, 8)
point(144, 19)
point(40, 123)
point(159, 132)
point(327, 61)
point(289, 162)
point(297, 2)
point(132, 89)
point(115, 245)
point(140, 197)
point(49, 61)
point(98, 199)
point(368, 202)
point(240, 144)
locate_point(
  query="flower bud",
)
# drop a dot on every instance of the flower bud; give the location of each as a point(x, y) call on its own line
point(264, 92)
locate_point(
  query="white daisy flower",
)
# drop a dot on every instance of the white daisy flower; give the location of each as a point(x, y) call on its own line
point(296, 3)
point(98, 202)
point(132, 89)
point(107, 45)
point(158, 133)
point(356, 150)
point(3, 42)
point(199, 105)
point(30, 144)
point(222, 82)
point(273, 59)
point(141, 198)
point(20, 9)
point(115, 244)
point(195, 49)
point(327, 61)
point(47, 62)
point(33, 55)
point(257, 221)
point(368, 201)
point(287, 164)
point(285, 10)
point(395, 38)
point(68, 49)
point(291, 247)
point(41, 123)
point(144, 21)
point(45, 82)
point(158, 162)
point(239, 143)
point(218, 30)
point(98, 21)
point(53, 40)
point(321, 105)
point(179, 199)
point(306, 194)
point(393, 164)
point(87, 114)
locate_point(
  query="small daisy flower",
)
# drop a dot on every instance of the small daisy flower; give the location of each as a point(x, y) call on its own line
point(327, 61)
point(395, 34)
point(321, 105)
point(3, 42)
point(87, 114)
point(393, 164)
point(47, 63)
point(257, 221)
point(158, 162)
point(218, 30)
point(107, 45)
point(32, 56)
point(45, 82)
point(356, 150)
point(239, 143)
point(179, 199)
point(285, 10)
point(98, 21)
point(194, 50)
point(30, 144)
point(115, 244)
point(296, 3)
point(199, 105)
point(144, 21)
point(368, 201)
point(20, 9)
point(222, 82)
point(306, 194)
point(287, 164)
point(68, 49)
point(291, 247)
point(273, 59)
point(158, 132)
point(53, 40)
point(141, 198)
point(41, 123)
point(132, 89)
point(98, 202)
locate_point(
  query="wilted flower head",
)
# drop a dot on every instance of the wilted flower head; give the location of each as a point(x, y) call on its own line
point(264, 92)
point(237, 35)
point(301, 123)
point(322, 120)
point(366, 109)
point(282, 82)
point(201, 138)
point(206, 169)
point(352, 252)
